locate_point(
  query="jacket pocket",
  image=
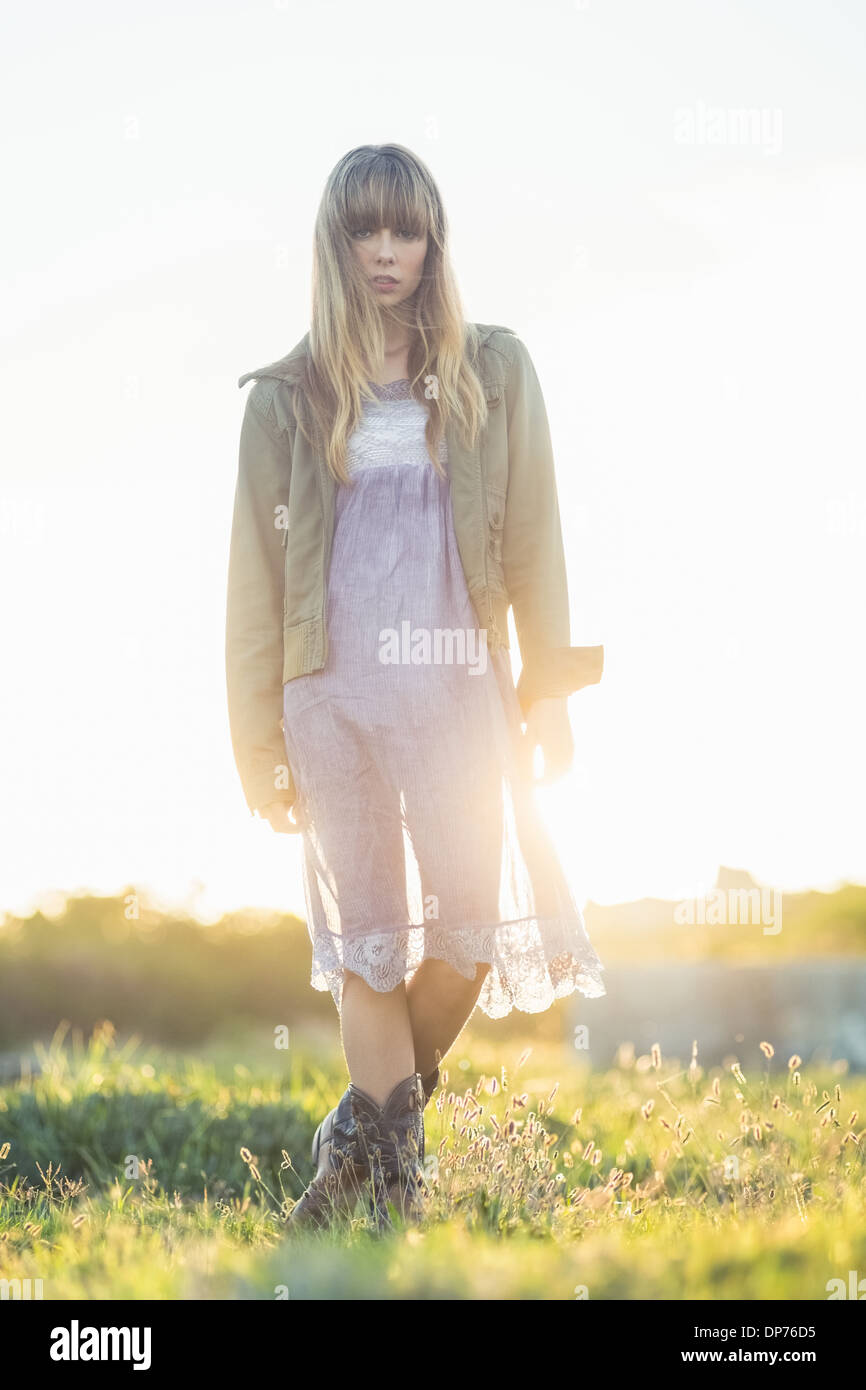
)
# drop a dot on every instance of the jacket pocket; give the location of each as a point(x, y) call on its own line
point(495, 522)
point(494, 440)
point(493, 392)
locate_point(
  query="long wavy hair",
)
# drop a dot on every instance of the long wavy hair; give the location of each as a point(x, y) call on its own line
point(377, 186)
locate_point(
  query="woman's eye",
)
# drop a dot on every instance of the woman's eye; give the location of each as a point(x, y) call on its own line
point(402, 231)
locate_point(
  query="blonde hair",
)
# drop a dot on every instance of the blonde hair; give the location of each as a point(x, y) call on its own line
point(377, 186)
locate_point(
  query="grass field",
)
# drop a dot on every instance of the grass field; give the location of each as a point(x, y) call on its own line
point(128, 1173)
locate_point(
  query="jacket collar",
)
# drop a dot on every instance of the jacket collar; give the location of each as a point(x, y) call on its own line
point(290, 368)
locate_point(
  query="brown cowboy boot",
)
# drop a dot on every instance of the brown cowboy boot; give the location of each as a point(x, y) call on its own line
point(337, 1185)
point(342, 1169)
point(322, 1136)
point(391, 1137)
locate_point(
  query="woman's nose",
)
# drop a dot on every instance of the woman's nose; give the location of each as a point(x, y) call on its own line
point(385, 248)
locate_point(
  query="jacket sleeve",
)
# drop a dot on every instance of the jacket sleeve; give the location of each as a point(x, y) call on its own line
point(532, 550)
point(254, 604)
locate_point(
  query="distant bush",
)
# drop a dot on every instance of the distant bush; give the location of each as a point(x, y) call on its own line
point(173, 980)
point(163, 977)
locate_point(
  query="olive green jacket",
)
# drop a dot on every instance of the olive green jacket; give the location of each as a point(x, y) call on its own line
point(506, 523)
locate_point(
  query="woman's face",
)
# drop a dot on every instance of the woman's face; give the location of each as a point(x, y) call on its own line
point(392, 260)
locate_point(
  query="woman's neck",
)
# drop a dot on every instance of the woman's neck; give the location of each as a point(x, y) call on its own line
point(396, 355)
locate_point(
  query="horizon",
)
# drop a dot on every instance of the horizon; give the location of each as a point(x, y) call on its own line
point(53, 902)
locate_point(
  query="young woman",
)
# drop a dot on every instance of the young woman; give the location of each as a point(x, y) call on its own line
point(395, 496)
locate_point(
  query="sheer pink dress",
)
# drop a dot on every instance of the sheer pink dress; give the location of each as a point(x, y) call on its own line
point(421, 835)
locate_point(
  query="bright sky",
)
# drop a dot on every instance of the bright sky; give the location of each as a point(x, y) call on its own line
point(690, 287)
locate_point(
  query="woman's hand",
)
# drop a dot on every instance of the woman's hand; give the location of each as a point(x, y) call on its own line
point(547, 725)
point(280, 817)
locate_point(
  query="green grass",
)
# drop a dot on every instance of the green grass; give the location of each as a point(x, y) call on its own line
point(551, 1179)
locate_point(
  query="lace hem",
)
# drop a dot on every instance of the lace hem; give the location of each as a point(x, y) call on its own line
point(554, 958)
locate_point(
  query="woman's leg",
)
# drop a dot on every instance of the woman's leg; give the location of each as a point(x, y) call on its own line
point(440, 1002)
point(387, 1037)
point(380, 1053)
point(377, 1036)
